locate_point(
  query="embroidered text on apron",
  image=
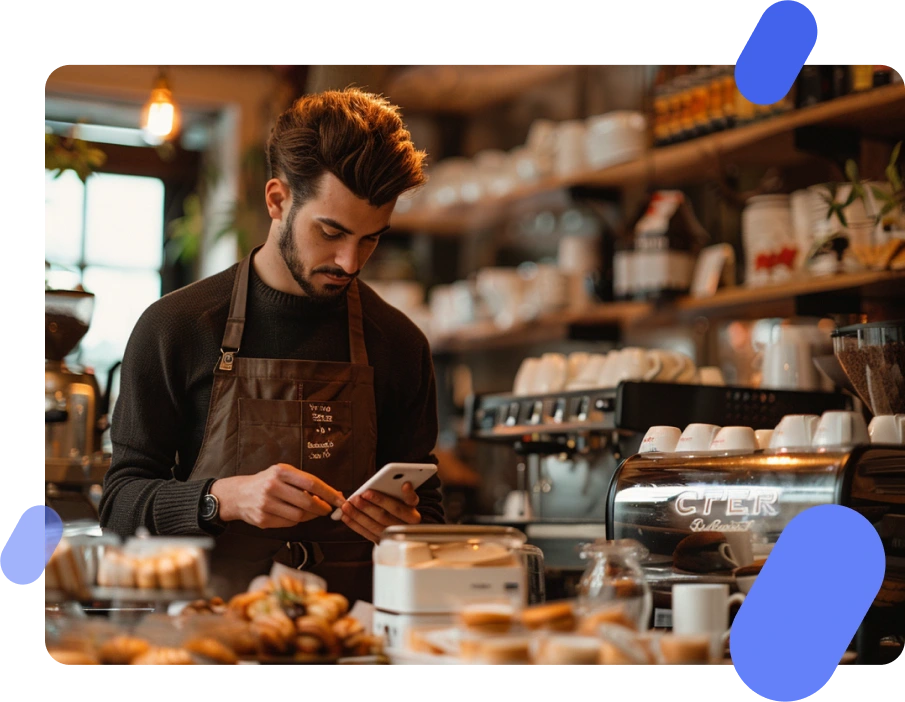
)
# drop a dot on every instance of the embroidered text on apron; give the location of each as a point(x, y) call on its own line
point(315, 415)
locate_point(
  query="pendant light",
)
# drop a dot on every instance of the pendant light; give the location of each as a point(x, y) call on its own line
point(160, 119)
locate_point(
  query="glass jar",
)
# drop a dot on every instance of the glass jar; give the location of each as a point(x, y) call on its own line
point(614, 581)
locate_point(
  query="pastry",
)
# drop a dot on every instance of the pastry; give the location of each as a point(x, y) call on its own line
point(212, 649)
point(72, 657)
point(167, 575)
point(239, 604)
point(146, 574)
point(566, 649)
point(314, 636)
point(555, 616)
point(275, 633)
point(504, 649)
point(488, 619)
point(615, 615)
point(164, 656)
point(122, 650)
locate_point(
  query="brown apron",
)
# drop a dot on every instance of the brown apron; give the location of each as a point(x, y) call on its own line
point(315, 415)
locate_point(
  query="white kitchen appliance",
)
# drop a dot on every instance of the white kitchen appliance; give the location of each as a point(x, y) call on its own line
point(424, 574)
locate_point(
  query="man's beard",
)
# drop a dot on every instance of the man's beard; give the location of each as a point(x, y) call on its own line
point(289, 251)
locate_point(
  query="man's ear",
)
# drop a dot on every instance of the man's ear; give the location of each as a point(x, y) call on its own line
point(277, 198)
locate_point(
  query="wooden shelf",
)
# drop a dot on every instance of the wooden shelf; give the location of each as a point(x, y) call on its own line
point(739, 302)
point(879, 112)
point(466, 89)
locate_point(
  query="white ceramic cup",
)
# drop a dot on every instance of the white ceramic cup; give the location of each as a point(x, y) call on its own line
point(551, 377)
point(577, 361)
point(671, 364)
point(571, 155)
point(887, 429)
point(794, 431)
point(741, 548)
point(703, 608)
point(763, 437)
point(697, 437)
point(660, 440)
point(840, 428)
point(633, 364)
point(734, 439)
point(589, 375)
point(525, 378)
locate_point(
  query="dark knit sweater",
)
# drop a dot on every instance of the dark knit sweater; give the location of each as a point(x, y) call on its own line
point(167, 375)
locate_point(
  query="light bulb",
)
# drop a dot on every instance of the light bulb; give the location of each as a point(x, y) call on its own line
point(160, 116)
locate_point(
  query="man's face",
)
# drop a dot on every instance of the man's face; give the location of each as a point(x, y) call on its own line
point(326, 242)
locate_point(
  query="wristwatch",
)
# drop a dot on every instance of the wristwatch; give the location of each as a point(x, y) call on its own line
point(210, 509)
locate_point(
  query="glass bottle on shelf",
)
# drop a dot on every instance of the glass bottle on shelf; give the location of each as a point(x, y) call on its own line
point(700, 94)
point(728, 91)
point(661, 108)
point(716, 118)
point(862, 78)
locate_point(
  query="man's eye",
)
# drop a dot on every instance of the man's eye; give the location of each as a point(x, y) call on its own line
point(330, 237)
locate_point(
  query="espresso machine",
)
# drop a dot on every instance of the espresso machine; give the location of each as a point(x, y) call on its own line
point(572, 445)
point(695, 514)
point(75, 410)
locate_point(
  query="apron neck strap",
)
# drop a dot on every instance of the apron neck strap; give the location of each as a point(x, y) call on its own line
point(235, 322)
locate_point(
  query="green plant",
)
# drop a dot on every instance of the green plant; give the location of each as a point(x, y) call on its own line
point(67, 153)
point(890, 200)
point(241, 218)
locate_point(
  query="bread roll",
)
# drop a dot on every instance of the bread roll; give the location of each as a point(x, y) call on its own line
point(164, 656)
point(122, 650)
point(566, 649)
point(615, 615)
point(167, 575)
point(487, 618)
point(212, 649)
point(554, 616)
point(146, 574)
point(504, 650)
point(187, 570)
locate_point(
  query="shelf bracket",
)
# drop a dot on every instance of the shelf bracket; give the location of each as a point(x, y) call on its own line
point(838, 144)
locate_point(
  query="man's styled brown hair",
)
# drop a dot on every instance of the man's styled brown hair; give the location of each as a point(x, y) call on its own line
point(359, 137)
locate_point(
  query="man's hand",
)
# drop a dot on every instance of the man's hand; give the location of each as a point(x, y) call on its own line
point(281, 496)
point(370, 513)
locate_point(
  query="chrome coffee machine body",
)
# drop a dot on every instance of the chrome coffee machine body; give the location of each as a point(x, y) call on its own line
point(75, 411)
point(574, 441)
point(715, 518)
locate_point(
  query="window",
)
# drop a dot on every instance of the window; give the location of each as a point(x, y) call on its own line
point(109, 233)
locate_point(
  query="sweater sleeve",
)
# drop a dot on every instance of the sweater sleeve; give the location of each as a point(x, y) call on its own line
point(139, 488)
point(410, 434)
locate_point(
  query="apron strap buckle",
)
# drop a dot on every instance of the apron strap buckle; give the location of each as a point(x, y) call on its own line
point(304, 553)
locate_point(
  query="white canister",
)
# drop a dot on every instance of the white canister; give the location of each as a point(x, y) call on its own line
point(768, 238)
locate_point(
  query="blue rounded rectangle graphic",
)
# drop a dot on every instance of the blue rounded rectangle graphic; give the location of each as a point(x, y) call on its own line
point(776, 50)
point(795, 625)
point(31, 545)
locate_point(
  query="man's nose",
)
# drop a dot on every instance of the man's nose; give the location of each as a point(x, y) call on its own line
point(347, 258)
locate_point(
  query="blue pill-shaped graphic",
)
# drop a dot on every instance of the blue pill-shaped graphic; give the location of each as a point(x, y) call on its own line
point(776, 50)
point(31, 544)
point(807, 603)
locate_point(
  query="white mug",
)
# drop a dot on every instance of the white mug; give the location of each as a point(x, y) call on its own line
point(577, 361)
point(589, 374)
point(741, 548)
point(526, 377)
point(634, 364)
point(734, 439)
point(703, 608)
point(887, 429)
point(671, 364)
point(763, 436)
point(660, 440)
point(697, 437)
point(794, 431)
point(788, 362)
point(840, 428)
point(551, 377)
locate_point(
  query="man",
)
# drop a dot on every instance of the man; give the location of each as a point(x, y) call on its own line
point(252, 401)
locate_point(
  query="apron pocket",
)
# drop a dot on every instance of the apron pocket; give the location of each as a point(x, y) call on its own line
point(327, 441)
point(270, 431)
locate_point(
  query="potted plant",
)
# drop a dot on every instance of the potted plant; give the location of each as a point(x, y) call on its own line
point(879, 215)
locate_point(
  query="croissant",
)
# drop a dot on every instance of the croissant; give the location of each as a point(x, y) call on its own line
point(212, 649)
point(122, 650)
point(239, 604)
point(315, 636)
point(164, 656)
point(275, 633)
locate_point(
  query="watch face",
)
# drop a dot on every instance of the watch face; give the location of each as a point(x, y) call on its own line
point(208, 507)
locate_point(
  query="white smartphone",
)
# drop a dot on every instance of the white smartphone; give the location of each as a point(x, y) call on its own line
point(390, 479)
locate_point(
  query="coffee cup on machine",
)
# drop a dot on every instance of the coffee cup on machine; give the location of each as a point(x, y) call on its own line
point(697, 438)
point(887, 429)
point(840, 428)
point(703, 609)
point(660, 440)
point(735, 440)
point(794, 432)
point(763, 436)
